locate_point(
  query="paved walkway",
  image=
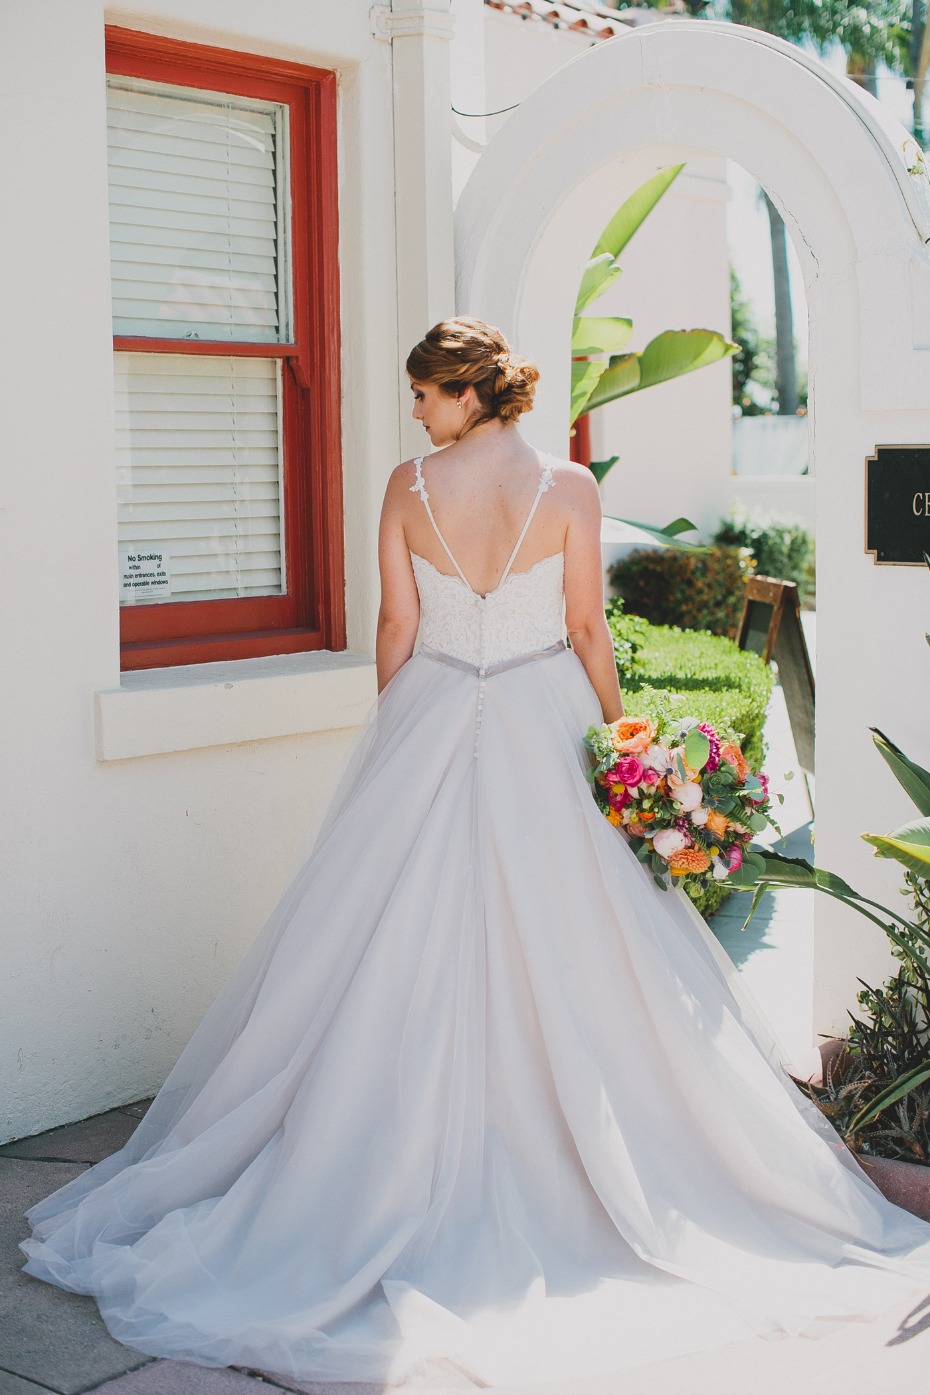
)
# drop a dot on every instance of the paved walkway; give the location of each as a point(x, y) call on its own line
point(52, 1341)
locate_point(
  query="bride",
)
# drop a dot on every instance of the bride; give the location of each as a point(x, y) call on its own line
point(479, 1097)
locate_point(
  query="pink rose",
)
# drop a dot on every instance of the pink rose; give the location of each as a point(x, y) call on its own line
point(736, 857)
point(651, 777)
point(631, 770)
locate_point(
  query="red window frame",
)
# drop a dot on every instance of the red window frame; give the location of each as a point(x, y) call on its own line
point(311, 615)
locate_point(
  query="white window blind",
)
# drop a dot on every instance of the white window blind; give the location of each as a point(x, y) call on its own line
point(198, 213)
point(199, 474)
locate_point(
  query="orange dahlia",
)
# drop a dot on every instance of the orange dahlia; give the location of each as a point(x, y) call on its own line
point(734, 755)
point(688, 860)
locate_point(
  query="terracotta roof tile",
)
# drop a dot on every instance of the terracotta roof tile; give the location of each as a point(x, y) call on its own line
point(595, 20)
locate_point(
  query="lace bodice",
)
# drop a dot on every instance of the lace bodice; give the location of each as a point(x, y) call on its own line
point(524, 612)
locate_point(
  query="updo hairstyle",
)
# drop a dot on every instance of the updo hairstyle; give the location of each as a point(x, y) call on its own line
point(465, 352)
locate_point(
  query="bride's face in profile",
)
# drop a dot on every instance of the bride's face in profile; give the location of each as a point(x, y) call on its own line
point(442, 416)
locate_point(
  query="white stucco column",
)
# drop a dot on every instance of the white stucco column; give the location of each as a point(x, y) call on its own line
point(419, 32)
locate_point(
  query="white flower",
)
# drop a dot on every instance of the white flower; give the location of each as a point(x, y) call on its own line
point(669, 841)
point(657, 758)
point(699, 816)
point(721, 870)
point(687, 793)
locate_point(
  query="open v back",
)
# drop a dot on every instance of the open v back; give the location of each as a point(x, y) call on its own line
point(545, 482)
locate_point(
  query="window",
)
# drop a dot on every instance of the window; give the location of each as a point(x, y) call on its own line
point(223, 250)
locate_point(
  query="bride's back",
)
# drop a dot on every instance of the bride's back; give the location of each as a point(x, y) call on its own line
point(480, 501)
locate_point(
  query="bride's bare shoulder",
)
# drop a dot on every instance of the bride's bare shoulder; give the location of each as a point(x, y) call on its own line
point(577, 483)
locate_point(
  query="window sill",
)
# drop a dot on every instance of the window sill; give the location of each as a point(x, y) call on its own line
point(154, 711)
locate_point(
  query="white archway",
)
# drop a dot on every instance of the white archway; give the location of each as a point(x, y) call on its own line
point(854, 191)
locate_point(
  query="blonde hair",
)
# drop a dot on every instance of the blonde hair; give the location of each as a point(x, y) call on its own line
point(466, 352)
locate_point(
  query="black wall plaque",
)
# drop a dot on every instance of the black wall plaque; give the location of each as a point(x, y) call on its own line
point(897, 505)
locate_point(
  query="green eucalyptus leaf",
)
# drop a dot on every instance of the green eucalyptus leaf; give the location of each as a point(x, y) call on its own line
point(697, 749)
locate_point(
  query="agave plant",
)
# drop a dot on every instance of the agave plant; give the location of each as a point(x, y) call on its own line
point(608, 370)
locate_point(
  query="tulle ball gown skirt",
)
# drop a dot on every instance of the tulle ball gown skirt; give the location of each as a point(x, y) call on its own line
point(478, 1093)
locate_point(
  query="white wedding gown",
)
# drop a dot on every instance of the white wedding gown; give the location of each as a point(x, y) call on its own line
point(479, 1096)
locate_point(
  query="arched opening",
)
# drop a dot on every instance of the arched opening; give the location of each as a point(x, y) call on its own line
point(855, 200)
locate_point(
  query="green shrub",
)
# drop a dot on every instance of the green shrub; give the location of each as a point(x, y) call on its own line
point(722, 684)
point(699, 590)
point(780, 547)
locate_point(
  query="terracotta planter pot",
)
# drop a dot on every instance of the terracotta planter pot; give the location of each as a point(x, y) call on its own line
point(907, 1184)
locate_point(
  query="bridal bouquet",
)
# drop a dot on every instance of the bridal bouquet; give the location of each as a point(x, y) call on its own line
point(683, 794)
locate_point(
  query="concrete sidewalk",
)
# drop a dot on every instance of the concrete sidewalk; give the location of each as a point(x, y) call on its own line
point(52, 1341)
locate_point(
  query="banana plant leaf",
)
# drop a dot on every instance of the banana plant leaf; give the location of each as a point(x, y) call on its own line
point(634, 211)
point(600, 334)
point(913, 778)
point(669, 355)
point(909, 844)
point(585, 376)
point(599, 275)
point(599, 468)
point(669, 534)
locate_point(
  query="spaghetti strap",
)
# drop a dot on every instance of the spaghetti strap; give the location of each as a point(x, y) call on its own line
point(545, 482)
point(419, 485)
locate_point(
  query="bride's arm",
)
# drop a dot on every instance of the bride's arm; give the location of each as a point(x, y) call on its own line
point(585, 620)
point(399, 611)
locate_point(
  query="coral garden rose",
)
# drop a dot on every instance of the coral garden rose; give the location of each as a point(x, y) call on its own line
point(669, 841)
point(734, 755)
point(637, 829)
point(688, 860)
point(717, 823)
point(632, 735)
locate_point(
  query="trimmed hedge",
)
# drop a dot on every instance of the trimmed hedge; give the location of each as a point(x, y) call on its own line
point(780, 547)
point(723, 685)
point(700, 590)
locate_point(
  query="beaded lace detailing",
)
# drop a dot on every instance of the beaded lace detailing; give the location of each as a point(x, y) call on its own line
point(524, 611)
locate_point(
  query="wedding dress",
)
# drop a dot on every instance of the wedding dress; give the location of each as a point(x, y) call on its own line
point(479, 1095)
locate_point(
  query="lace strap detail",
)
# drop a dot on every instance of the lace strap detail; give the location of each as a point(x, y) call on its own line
point(419, 485)
point(545, 482)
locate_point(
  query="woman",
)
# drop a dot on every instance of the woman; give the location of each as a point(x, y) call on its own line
point(478, 1095)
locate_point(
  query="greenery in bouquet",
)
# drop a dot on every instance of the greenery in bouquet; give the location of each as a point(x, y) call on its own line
point(684, 794)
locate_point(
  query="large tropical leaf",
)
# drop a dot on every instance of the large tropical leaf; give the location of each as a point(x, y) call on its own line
point(668, 535)
point(630, 216)
point(600, 273)
point(586, 373)
point(914, 779)
point(600, 334)
point(669, 355)
point(909, 844)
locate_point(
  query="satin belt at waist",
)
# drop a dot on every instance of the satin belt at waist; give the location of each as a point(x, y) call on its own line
point(485, 671)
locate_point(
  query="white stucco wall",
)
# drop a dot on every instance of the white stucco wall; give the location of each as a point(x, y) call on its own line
point(132, 885)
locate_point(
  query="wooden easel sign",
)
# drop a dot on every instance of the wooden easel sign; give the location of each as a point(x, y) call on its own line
point(771, 627)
